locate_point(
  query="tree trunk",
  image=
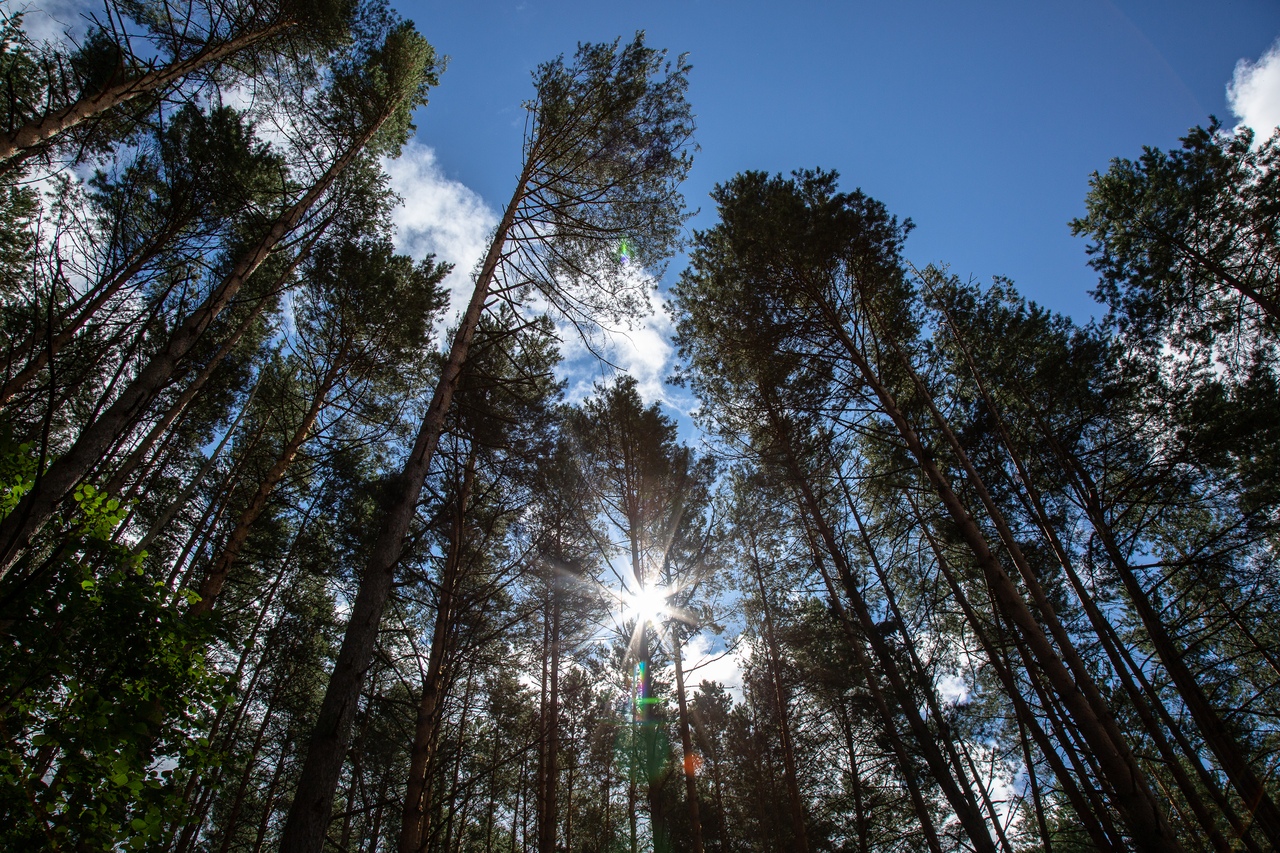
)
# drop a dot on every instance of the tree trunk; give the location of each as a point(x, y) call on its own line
point(690, 757)
point(217, 574)
point(882, 705)
point(415, 828)
point(550, 771)
point(177, 505)
point(1023, 712)
point(1131, 794)
point(452, 810)
point(51, 124)
point(44, 344)
point(313, 801)
point(798, 822)
point(116, 484)
point(960, 800)
point(1224, 746)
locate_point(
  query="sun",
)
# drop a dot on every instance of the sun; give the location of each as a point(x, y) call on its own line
point(647, 604)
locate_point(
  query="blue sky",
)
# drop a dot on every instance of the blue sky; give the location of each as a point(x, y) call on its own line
point(980, 121)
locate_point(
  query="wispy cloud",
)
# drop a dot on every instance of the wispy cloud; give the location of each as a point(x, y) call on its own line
point(642, 350)
point(439, 216)
point(1254, 92)
point(707, 659)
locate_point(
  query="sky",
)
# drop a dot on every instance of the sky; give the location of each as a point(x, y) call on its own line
point(980, 121)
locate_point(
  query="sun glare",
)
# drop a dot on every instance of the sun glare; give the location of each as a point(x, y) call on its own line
point(648, 604)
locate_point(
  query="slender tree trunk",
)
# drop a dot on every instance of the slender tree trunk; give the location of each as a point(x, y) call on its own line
point(961, 800)
point(568, 817)
point(176, 506)
point(1224, 746)
point(881, 703)
point(1033, 782)
point(1083, 762)
point(191, 831)
point(491, 814)
point(217, 574)
point(651, 747)
point(268, 806)
point(452, 811)
point(1084, 811)
point(798, 822)
point(690, 757)
point(1132, 795)
point(992, 812)
point(233, 815)
point(51, 124)
point(860, 821)
point(313, 800)
point(117, 482)
point(922, 674)
point(633, 797)
point(547, 820)
point(540, 774)
point(375, 833)
point(415, 822)
point(45, 344)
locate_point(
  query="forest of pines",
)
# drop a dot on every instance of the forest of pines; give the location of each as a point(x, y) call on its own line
point(295, 557)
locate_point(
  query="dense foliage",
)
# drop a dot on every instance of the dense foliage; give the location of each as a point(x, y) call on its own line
point(279, 571)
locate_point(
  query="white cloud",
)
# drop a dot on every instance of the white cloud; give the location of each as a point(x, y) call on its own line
point(953, 690)
point(644, 351)
point(707, 659)
point(445, 217)
point(1254, 92)
point(440, 216)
